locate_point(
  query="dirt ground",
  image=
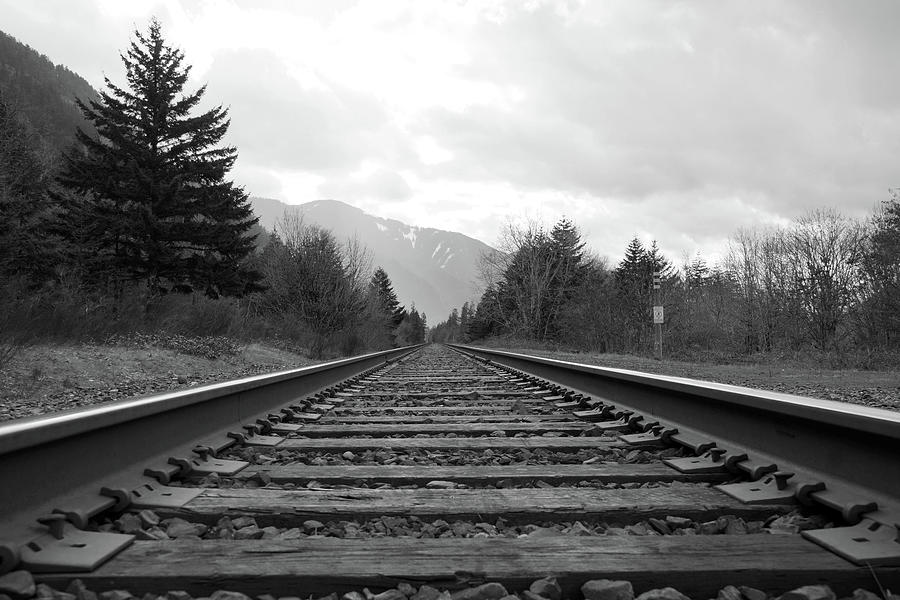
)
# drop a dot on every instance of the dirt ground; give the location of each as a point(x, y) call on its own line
point(880, 389)
point(51, 378)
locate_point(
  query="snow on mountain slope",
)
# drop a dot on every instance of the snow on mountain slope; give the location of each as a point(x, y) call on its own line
point(436, 269)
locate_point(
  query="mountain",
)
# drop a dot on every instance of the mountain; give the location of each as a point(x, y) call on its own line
point(436, 269)
point(42, 92)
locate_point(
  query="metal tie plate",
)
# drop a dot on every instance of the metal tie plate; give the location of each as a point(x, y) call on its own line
point(714, 460)
point(66, 548)
point(866, 543)
point(155, 495)
point(771, 489)
point(196, 465)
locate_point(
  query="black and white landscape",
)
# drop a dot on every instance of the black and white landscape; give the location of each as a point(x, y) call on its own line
point(435, 269)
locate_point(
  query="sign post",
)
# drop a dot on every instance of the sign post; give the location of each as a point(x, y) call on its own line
point(659, 316)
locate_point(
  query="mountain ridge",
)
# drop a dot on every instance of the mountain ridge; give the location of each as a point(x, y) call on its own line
point(435, 269)
point(43, 92)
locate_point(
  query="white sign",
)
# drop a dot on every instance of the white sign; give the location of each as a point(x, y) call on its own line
point(658, 314)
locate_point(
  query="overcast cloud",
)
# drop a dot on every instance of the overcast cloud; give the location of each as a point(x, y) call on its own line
point(680, 122)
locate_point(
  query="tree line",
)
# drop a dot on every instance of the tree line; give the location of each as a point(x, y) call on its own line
point(136, 226)
point(824, 285)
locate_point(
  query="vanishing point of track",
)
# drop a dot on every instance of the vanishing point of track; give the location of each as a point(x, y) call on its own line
point(451, 467)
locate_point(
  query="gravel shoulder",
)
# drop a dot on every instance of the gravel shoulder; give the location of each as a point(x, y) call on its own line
point(51, 378)
point(879, 389)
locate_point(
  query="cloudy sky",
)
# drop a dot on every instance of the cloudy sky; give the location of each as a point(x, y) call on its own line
point(675, 121)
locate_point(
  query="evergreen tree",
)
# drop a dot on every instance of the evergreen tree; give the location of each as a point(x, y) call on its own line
point(485, 319)
point(25, 174)
point(465, 317)
point(569, 272)
point(384, 289)
point(634, 283)
point(149, 200)
point(412, 328)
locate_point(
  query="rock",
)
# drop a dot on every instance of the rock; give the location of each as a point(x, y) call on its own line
point(80, 591)
point(270, 532)
point(729, 592)
point(666, 593)
point(541, 532)
point(228, 595)
point(547, 587)
point(313, 525)
point(735, 526)
point(44, 591)
point(354, 595)
point(148, 518)
point(241, 522)
point(755, 526)
point(678, 522)
point(784, 525)
point(251, 532)
point(17, 584)
point(750, 593)
point(487, 591)
point(406, 589)
point(260, 477)
point(265, 597)
point(637, 529)
point(709, 528)
point(810, 592)
point(660, 526)
point(293, 533)
point(116, 595)
point(180, 528)
point(392, 594)
point(130, 522)
point(529, 595)
point(331, 596)
point(348, 455)
point(578, 529)
point(152, 534)
point(861, 594)
point(426, 592)
point(437, 484)
point(607, 589)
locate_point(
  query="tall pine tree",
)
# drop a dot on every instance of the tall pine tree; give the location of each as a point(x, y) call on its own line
point(149, 200)
point(26, 248)
point(387, 298)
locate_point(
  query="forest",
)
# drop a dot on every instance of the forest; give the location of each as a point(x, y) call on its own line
point(824, 287)
point(117, 216)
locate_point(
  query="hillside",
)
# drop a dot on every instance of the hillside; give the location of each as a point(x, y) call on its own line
point(42, 92)
point(436, 269)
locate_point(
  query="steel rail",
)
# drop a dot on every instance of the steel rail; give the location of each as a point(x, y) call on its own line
point(853, 450)
point(60, 462)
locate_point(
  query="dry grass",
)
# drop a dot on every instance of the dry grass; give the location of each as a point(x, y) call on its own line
point(49, 378)
point(871, 388)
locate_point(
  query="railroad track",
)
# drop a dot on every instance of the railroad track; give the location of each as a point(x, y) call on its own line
point(452, 469)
